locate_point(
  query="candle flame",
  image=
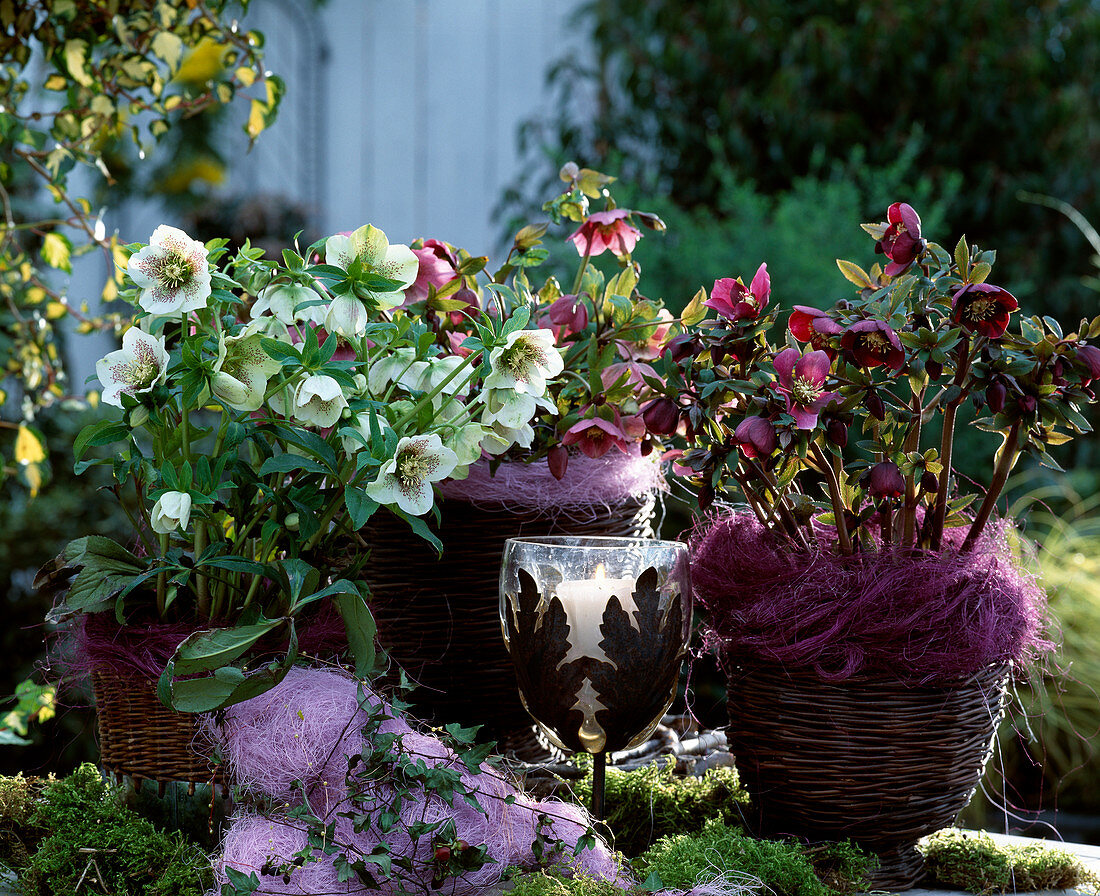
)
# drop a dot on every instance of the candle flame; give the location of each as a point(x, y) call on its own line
point(600, 573)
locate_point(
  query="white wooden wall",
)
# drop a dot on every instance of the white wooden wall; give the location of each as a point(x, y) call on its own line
point(414, 112)
point(398, 113)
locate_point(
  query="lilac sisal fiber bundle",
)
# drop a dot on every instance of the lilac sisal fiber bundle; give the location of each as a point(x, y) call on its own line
point(303, 730)
point(922, 616)
point(588, 481)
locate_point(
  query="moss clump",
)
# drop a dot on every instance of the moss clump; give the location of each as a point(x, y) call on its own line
point(652, 802)
point(783, 868)
point(547, 883)
point(16, 795)
point(131, 857)
point(975, 863)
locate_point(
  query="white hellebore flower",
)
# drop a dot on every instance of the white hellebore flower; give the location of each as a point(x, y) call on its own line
point(512, 410)
point(138, 366)
point(243, 370)
point(172, 271)
point(370, 246)
point(499, 438)
point(172, 510)
point(285, 301)
point(318, 400)
point(525, 362)
point(406, 478)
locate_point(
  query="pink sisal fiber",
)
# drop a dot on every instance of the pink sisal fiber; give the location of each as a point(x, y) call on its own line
point(603, 480)
point(99, 642)
point(922, 616)
point(305, 727)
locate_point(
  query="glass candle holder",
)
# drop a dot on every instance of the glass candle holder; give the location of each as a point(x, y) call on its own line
point(597, 629)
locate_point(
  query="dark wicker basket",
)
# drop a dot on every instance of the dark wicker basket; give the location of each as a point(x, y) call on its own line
point(439, 619)
point(867, 758)
point(141, 738)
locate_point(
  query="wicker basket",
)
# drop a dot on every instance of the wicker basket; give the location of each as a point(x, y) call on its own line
point(439, 619)
point(141, 738)
point(867, 758)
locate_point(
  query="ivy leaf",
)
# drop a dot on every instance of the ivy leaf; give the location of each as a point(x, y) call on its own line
point(57, 252)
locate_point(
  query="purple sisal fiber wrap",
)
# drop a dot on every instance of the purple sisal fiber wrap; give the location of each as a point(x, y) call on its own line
point(98, 642)
point(304, 728)
point(924, 617)
point(588, 481)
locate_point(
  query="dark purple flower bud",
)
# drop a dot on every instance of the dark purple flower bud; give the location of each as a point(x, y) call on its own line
point(1027, 403)
point(934, 369)
point(875, 405)
point(557, 459)
point(756, 436)
point(930, 482)
point(706, 495)
point(995, 396)
point(1088, 358)
point(836, 431)
point(661, 416)
point(681, 347)
point(647, 447)
point(717, 354)
point(885, 480)
point(569, 312)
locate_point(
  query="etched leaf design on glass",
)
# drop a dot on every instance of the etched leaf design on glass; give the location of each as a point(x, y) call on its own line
point(646, 657)
point(538, 646)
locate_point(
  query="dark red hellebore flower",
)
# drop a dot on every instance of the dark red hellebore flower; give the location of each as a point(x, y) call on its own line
point(983, 308)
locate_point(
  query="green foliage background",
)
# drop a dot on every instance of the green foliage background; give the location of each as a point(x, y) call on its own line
point(968, 102)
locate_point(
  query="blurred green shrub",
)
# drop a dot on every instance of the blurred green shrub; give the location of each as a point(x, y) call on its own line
point(997, 95)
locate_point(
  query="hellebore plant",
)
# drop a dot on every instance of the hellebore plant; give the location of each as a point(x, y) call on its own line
point(839, 430)
point(601, 335)
point(267, 410)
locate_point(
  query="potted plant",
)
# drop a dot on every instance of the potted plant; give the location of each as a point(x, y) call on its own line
point(863, 597)
point(260, 429)
point(577, 459)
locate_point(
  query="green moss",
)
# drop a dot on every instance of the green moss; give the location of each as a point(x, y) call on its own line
point(975, 863)
point(649, 803)
point(131, 856)
point(783, 868)
point(550, 884)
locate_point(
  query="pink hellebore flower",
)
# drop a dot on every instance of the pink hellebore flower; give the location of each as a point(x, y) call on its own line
point(437, 267)
point(734, 301)
point(634, 370)
point(814, 326)
point(650, 349)
point(596, 437)
point(1088, 356)
point(871, 343)
point(606, 230)
point(902, 243)
point(802, 384)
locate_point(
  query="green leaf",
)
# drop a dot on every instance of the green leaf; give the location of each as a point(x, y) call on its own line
point(695, 310)
point(289, 463)
point(962, 257)
point(169, 47)
point(76, 55)
point(360, 627)
point(208, 650)
point(56, 251)
point(853, 273)
point(360, 507)
point(102, 432)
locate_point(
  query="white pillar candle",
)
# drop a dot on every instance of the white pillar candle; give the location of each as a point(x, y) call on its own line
point(584, 601)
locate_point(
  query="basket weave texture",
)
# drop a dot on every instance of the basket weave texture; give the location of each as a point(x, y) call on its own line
point(141, 738)
point(439, 619)
point(867, 758)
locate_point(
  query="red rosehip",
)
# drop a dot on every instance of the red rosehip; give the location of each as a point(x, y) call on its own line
point(442, 854)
